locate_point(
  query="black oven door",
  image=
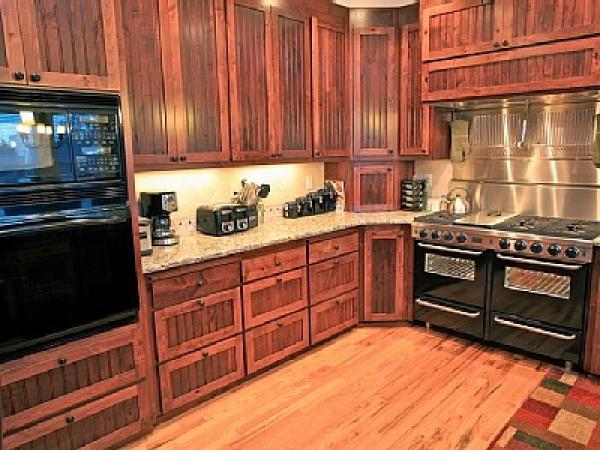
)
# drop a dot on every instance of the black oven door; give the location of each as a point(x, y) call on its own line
point(545, 291)
point(451, 274)
point(65, 277)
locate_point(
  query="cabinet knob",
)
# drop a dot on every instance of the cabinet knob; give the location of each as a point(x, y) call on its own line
point(505, 43)
point(317, 154)
point(173, 158)
point(280, 325)
point(69, 419)
point(279, 280)
point(35, 77)
point(200, 283)
point(183, 158)
point(336, 248)
point(496, 44)
point(278, 262)
point(19, 76)
point(62, 361)
point(390, 151)
point(205, 353)
point(201, 303)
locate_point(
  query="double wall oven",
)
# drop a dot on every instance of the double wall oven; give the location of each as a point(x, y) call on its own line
point(67, 265)
point(496, 282)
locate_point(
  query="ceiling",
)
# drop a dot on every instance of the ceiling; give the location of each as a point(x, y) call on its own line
point(374, 3)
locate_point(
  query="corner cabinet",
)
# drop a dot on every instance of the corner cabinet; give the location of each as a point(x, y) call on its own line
point(385, 296)
point(375, 92)
point(374, 188)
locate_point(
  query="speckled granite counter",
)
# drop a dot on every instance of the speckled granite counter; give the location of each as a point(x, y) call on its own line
point(197, 247)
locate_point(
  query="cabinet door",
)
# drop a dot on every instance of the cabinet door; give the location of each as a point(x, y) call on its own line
point(146, 115)
point(375, 92)
point(527, 22)
point(328, 279)
point(203, 321)
point(291, 72)
point(195, 56)
point(564, 65)
point(272, 342)
point(333, 316)
point(274, 297)
point(12, 64)
point(331, 91)
point(374, 188)
point(384, 275)
point(41, 385)
point(461, 27)
point(100, 424)
point(412, 111)
point(70, 43)
point(251, 84)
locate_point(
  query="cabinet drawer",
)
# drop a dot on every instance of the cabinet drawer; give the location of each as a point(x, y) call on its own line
point(195, 375)
point(271, 263)
point(97, 425)
point(331, 278)
point(330, 248)
point(167, 291)
point(273, 297)
point(275, 341)
point(191, 325)
point(333, 316)
point(46, 383)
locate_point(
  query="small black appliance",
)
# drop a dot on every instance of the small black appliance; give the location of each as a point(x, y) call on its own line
point(158, 207)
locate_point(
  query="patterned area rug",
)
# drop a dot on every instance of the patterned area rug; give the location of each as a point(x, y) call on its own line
point(562, 413)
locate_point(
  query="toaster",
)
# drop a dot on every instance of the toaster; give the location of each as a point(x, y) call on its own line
point(222, 220)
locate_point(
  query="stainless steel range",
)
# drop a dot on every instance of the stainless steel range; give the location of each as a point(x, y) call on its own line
point(520, 281)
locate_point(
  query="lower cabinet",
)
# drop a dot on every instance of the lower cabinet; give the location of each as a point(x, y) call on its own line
point(199, 373)
point(333, 277)
point(99, 424)
point(276, 340)
point(333, 316)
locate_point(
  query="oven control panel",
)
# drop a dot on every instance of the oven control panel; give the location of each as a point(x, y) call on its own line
point(452, 236)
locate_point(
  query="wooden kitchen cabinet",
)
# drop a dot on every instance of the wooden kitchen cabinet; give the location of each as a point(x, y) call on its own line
point(333, 316)
point(592, 334)
point(272, 261)
point(330, 90)
point(70, 43)
point(43, 384)
point(12, 59)
point(333, 277)
point(384, 281)
point(374, 188)
point(376, 71)
point(558, 66)
point(196, 79)
point(322, 249)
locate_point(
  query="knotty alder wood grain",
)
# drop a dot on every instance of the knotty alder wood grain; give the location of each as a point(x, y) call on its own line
point(592, 343)
point(11, 46)
point(394, 387)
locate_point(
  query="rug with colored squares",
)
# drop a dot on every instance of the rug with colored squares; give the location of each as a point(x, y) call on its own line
point(562, 413)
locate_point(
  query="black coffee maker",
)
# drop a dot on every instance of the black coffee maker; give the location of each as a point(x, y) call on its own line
point(158, 206)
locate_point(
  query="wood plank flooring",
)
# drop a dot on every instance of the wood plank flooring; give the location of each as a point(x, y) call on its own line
point(400, 388)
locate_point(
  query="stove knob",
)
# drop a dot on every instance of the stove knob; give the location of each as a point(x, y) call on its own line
point(448, 236)
point(536, 247)
point(504, 244)
point(461, 238)
point(572, 252)
point(554, 250)
point(436, 235)
point(424, 233)
point(520, 245)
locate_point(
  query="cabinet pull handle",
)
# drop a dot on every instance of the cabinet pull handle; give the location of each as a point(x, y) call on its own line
point(279, 280)
point(183, 158)
point(205, 353)
point(69, 419)
point(62, 361)
point(390, 151)
point(201, 303)
point(19, 75)
point(280, 324)
point(505, 43)
point(200, 283)
point(173, 158)
point(35, 77)
point(278, 262)
point(496, 44)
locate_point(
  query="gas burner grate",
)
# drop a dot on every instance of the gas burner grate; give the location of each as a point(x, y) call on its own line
point(551, 226)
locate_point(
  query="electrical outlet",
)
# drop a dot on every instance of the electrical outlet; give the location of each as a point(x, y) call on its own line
point(233, 188)
point(309, 183)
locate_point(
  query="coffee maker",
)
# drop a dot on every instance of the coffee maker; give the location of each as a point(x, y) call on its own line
point(158, 206)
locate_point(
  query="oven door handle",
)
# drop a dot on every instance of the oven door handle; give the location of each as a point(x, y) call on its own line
point(450, 249)
point(570, 267)
point(448, 309)
point(536, 330)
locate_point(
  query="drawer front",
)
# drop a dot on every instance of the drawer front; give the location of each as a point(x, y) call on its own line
point(453, 316)
point(43, 384)
point(331, 248)
point(331, 278)
point(333, 316)
point(197, 374)
point(178, 289)
point(275, 341)
point(97, 425)
point(272, 263)
point(274, 297)
point(194, 324)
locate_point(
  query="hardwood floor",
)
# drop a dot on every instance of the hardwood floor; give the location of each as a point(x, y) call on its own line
point(399, 388)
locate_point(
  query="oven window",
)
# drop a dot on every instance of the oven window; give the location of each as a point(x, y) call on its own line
point(535, 282)
point(446, 266)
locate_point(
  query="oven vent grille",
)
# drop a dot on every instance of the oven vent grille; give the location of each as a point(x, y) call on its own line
point(446, 266)
point(64, 195)
point(534, 282)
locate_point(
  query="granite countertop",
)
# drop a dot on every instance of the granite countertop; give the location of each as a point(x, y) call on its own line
point(196, 247)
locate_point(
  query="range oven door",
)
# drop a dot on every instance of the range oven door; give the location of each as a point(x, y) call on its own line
point(63, 278)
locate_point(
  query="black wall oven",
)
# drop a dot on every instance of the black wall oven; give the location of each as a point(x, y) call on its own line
point(67, 264)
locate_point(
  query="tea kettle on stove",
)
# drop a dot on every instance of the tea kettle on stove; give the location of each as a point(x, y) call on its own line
point(458, 204)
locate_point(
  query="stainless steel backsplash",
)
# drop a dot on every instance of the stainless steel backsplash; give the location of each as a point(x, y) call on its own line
point(533, 159)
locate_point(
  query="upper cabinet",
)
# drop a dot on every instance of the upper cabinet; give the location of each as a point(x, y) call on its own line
point(331, 108)
point(375, 92)
point(466, 27)
point(12, 63)
point(69, 43)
